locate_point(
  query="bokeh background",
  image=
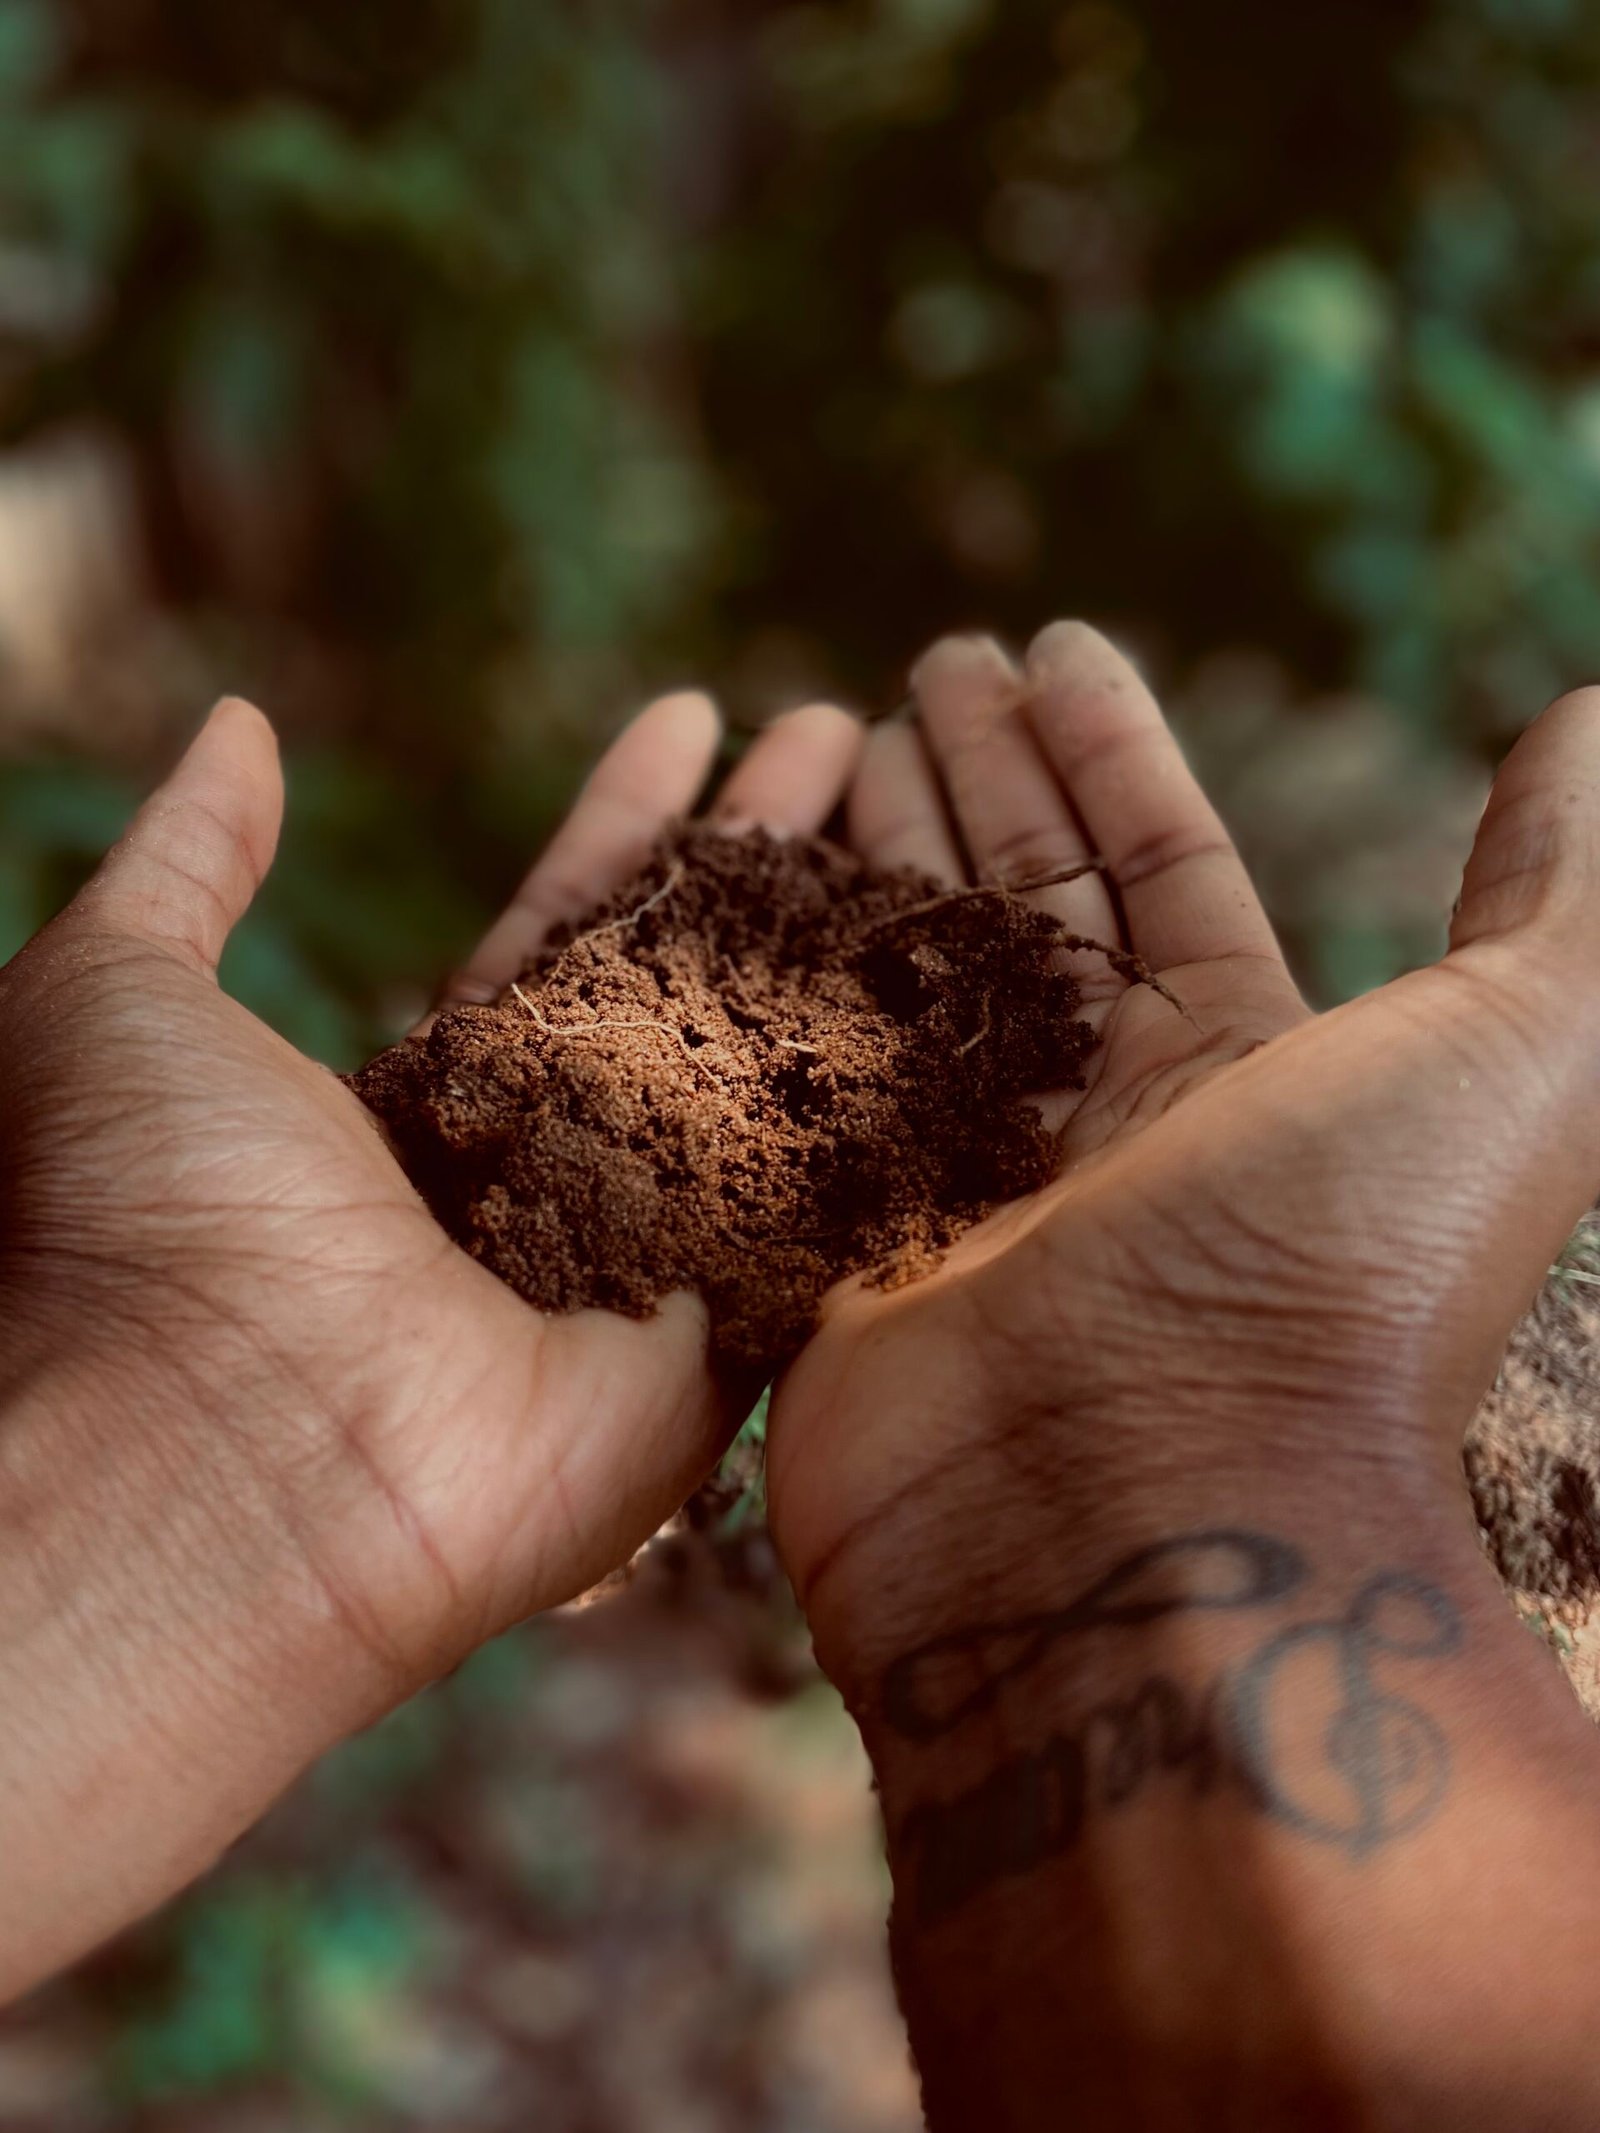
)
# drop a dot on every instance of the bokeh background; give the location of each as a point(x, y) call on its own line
point(450, 374)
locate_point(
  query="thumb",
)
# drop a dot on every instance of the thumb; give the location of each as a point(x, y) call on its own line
point(1532, 886)
point(1523, 1091)
point(200, 847)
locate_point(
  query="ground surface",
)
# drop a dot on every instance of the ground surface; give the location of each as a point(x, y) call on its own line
point(621, 1875)
point(1533, 1461)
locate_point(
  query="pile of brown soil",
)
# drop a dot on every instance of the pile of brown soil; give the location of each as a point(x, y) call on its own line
point(760, 1067)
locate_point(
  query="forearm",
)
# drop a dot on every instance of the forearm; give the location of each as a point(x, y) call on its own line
point(1243, 1821)
point(167, 1665)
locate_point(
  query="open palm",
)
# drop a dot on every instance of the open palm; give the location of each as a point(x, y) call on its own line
point(208, 1232)
point(1268, 1225)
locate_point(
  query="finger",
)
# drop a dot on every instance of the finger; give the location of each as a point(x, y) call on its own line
point(200, 847)
point(1184, 888)
point(1011, 810)
point(649, 776)
point(1521, 1085)
point(897, 813)
point(794, 774)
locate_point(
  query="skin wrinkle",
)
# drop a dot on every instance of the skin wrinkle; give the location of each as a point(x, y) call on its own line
point(60, 974)
point(1255, 1304)
point(189, 833)
point(1163, 853)
point(234, 834)
point(879, 1517)
point(185, 936)
point(1042, 848)
point(1508, 1022)
point(1146, 1098)
point(1145, 1416)
point(1518, 851)
point(873, 1523)
point(1273, 1255)
point(309, 1412)
point(215, 1510)
point(271, 1486)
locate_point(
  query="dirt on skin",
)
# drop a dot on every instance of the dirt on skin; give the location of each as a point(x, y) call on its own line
point(760, 1067)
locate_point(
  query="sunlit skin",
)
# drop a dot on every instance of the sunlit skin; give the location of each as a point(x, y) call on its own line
point(1265, 1219)
point(1267, 1291)
point(275, 1453)
point(247, 1377)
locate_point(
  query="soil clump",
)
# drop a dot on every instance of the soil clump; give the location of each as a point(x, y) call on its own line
point(761, 1066)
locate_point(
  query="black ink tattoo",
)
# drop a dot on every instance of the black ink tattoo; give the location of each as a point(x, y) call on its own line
point(1383, 1766)
point(931, 1690)
point(1387, 1756)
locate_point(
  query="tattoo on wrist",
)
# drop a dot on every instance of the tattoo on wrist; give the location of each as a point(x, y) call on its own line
point(1372, 1765)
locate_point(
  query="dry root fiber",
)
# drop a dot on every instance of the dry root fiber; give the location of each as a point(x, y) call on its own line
point(760, 1067)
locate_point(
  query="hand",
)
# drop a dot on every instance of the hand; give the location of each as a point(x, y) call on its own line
point(263, 1422)
point(1219, 1784)
point(1280, 1245)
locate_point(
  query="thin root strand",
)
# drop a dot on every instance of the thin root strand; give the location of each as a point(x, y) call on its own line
point(597, 1029)
point(1132, 968)
point(630, 918)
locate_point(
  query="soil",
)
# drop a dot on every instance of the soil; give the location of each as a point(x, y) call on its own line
point(760, 1067)
point(1533, 1465)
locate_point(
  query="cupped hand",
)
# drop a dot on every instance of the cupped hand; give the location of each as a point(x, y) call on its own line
point(1284, 1251)
point(256, 1349)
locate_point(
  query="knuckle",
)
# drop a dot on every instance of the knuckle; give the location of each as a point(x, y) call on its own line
point(1032, 848)
point(1165, 850)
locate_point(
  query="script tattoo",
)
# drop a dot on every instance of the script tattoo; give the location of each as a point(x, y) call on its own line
point(1382, 1766)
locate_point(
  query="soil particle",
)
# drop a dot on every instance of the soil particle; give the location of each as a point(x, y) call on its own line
point(1533, 1453)
point(760, 1067)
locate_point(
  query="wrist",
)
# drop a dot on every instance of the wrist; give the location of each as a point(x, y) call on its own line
point(169, 1662)
point(1224, 1777)
point(1009, 1504)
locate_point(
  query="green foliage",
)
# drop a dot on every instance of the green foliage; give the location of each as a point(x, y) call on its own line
point(412, 318)
point(743, 1473)
point(360, 912)
point(268, 1977)
point(1019, 309)
point(56, 819)
point(1579, 1264)
point(265, 1975)
point(551, 351)
point(1085, 314)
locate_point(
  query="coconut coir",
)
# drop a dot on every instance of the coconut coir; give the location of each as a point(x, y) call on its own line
point(761, 1066)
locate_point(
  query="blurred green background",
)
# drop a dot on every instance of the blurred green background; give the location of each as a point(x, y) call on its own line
point(449, 374)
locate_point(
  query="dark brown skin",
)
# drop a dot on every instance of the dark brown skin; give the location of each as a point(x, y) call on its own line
point(1222, 1790)
point(273, 1452)
point(1325, 1856)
